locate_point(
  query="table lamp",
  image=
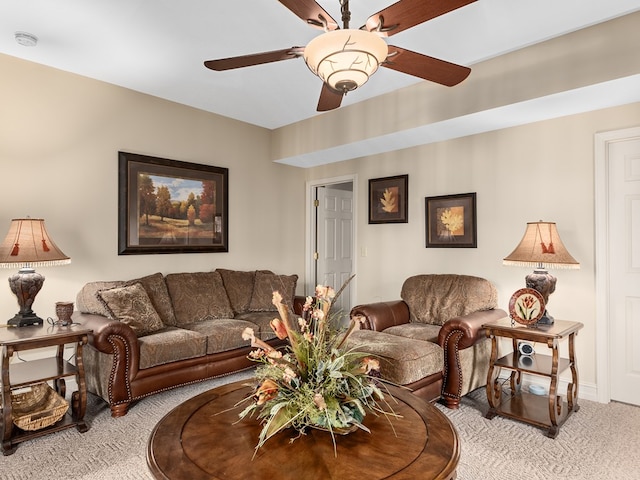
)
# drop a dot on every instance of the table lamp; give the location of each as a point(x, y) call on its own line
point(542, 249)
point(28, 245)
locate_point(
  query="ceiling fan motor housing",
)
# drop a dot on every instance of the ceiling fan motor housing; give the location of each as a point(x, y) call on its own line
point(345, 59)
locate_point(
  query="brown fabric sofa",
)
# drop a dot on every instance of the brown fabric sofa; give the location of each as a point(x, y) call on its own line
point(159, 332)
point(432, 340)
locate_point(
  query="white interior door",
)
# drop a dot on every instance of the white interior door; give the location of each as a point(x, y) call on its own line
point(334, 264)
point(624, 268)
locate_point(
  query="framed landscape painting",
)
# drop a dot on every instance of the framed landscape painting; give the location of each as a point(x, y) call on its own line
point(170, 206)
point(388, 199)
point(451, 221)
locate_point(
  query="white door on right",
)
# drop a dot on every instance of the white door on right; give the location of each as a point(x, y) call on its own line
point(624, 273)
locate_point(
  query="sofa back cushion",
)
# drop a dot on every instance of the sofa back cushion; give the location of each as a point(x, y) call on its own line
point(239, 287)
point(264, 286)
point(434, 299)
point(198, 296)
point(87, 300)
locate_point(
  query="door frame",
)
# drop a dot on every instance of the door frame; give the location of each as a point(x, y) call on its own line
point(601, 172)
point(311, 231)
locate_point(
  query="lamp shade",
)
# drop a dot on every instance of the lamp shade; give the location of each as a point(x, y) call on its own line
point(541, 247)
point(345, 59)
point(29, 245)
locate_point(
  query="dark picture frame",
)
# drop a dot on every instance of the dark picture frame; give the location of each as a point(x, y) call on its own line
point(171, 206)
point(388, 199)
point(451, 221)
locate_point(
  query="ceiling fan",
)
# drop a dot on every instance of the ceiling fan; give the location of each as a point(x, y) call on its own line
point(344, 59)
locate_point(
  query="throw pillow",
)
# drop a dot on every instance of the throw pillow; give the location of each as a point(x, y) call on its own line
point(198, 296)
point(264, 286)
point(130, 304)
point(156, 288)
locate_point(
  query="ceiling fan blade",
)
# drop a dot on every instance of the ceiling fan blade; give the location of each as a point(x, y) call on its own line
point(423, 66)
point(329, 99)
point(409, 13)
point(254, 59)
point(311, 12)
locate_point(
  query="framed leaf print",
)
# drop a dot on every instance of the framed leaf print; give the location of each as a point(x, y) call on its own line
point(451, 221)
point(388, 199)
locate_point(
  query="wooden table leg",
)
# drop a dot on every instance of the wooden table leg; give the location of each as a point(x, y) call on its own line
point(555, 402)
point(79, 398)
point(572, 389)
point(493, 388)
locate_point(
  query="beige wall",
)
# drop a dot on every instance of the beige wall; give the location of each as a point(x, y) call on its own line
point(541, 171)
point(60, 134)
point(59, 138)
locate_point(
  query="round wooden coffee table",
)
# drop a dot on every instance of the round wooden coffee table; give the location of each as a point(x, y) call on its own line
point(204, 439)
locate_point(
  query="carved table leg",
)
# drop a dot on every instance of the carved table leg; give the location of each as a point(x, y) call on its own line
point(493, 386)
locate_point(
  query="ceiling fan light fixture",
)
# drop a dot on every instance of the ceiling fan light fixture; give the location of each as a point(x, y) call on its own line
point(345, 59)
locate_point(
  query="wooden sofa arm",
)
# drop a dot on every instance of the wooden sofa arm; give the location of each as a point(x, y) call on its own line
point(381, 315)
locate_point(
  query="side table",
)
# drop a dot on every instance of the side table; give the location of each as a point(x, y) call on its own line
point(55, 369)
point(542, 411)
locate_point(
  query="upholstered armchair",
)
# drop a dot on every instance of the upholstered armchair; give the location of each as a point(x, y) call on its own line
point(432, 340)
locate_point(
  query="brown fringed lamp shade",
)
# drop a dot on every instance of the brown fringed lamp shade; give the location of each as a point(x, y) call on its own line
point(28, 245)
point(542, 249)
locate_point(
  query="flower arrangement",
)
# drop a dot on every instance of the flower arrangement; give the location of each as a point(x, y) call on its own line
point(315, 381)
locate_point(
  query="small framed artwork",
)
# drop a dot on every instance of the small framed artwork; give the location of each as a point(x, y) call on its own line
point(170, 206)
point(388, 199)
point(451, 221)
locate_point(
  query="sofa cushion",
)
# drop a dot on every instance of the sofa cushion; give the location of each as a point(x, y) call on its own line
point(222, 334)
point(402, 360)
point(417, 331)
point(87, 300)
point(434, 299)
point(156, 288)
point(130, 304)
point(264, 286)
point(261, 320)
point(198, 296)
point(239, 287)
point(171, 345)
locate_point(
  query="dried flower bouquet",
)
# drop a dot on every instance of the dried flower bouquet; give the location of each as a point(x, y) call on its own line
point(315, 381)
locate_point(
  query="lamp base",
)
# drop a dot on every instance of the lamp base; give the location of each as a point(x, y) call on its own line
point(25, 285)
point(546, 319)
point(545, 283)
point(25, 319)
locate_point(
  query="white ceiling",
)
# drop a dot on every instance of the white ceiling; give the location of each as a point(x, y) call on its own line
point(158, 46)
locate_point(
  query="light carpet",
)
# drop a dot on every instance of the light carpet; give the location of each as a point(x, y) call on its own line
point(598, 442)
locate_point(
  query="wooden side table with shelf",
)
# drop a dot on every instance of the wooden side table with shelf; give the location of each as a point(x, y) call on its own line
point(54, 368)
point(548, 412)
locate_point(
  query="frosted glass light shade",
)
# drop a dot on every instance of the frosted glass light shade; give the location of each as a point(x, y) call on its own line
point(345, 59)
